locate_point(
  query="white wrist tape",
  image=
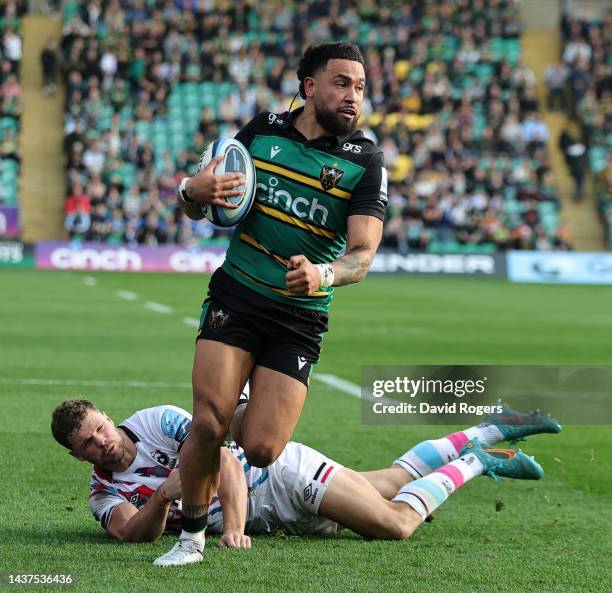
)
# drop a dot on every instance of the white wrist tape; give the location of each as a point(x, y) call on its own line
point(327, 274)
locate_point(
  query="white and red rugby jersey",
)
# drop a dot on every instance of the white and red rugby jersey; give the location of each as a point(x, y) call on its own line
point(158, 434)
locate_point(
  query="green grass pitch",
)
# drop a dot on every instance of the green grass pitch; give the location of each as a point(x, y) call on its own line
point(60, 327)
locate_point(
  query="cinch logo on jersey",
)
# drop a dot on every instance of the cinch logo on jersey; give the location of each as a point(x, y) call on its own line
point(299, 206)
point(304, 194)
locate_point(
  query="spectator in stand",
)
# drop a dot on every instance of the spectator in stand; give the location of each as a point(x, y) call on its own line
point(576, 158)
point(580, 79)
point(9, 146)
point(11, 94)
point(535, 132)
point(49, 65)
point(78, 212)
point(556, 76)
point(11, 46)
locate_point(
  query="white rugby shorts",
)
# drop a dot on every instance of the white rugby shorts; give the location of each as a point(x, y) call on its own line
point(290, 498)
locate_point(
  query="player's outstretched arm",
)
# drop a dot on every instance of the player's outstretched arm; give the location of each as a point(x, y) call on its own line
point(146, 524)
point(363, 236)
point(233, 494)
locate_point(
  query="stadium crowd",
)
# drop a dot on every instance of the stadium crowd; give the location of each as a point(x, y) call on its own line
point(587, 75)
point(11, 98)
point(149, 83)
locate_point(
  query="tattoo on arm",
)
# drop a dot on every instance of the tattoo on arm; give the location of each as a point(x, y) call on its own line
point(352, 267)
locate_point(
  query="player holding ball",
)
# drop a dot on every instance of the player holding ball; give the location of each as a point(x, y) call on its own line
point(315, 224)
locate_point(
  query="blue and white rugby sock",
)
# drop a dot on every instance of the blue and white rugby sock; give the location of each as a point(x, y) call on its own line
point(428, 456)
point(426, 494)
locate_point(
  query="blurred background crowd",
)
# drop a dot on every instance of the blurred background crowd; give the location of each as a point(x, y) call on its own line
point(11, 98)
point(150, 82)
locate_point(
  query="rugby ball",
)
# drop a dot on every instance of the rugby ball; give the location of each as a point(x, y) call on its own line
point(236, 159)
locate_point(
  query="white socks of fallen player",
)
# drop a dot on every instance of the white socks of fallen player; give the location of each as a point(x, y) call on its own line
point(428, 456)
point(427, 494)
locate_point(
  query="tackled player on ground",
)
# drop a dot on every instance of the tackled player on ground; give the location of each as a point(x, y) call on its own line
point(135, 485)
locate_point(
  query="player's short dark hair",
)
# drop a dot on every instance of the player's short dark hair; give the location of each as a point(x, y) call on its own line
point(316, 56)
point(67, 418)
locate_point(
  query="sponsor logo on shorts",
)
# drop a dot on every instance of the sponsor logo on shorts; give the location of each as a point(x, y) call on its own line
point(301, 362)
point(310, 494)
point(329, 177)
point(217, 318)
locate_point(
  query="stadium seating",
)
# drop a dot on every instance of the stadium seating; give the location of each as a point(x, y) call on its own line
point(449, 102)
point(10, 99)
point(587, 52)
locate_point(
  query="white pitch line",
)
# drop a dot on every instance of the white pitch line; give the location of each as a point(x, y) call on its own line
point(330, 380)
point(338, 383)
point(89, 281)
point(96, 383)
point(191, 322)
point(158, 307)
point(127, 295)
point(350, 388)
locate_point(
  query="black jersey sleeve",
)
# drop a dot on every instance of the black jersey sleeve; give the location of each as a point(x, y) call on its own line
point(249, 131)
point(370, 194)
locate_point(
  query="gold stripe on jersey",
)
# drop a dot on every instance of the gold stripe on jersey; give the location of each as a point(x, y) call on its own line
point(293, 221)
point(283, 291)
point(257, 245)
point(334, 191)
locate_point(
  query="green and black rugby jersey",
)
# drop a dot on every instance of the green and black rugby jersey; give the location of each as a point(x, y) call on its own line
point(305, 192)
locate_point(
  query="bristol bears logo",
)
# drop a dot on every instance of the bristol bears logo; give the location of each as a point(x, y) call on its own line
point(217, 318)
point(329, 177)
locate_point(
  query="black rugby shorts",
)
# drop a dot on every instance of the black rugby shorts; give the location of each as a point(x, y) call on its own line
point(282, 338)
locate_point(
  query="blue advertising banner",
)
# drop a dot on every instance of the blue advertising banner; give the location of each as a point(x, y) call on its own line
point(560, 267)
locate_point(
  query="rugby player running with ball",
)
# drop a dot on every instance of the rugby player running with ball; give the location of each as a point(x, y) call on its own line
point(315, 224)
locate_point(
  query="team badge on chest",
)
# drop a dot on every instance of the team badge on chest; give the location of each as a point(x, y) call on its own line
point(329, 177)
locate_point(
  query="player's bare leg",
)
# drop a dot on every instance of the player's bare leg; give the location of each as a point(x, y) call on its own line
point(353, 502)
point(388, 481)
point(274, 408)
point(219, 374)
point(236, 423)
